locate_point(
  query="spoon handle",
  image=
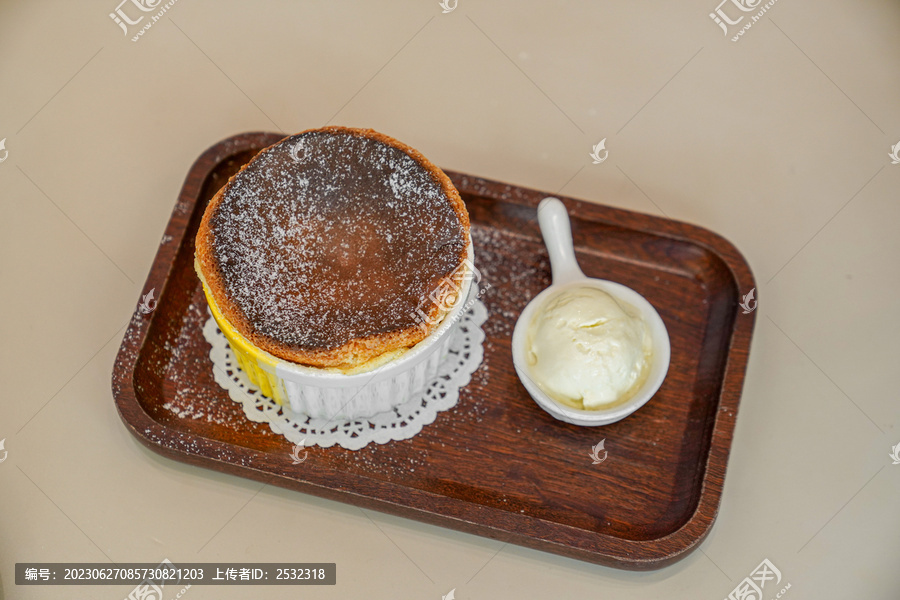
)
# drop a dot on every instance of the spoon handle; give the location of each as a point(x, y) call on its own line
point(557, 232)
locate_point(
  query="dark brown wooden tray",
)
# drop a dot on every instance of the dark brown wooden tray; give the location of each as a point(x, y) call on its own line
point(496, 465)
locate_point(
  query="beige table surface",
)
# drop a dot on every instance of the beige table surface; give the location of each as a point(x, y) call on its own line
point(778, 141)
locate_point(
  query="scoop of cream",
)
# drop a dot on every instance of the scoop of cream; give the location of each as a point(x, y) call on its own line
point(587, 349)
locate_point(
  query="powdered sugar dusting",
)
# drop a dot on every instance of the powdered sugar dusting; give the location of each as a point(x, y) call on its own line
point(330, 236)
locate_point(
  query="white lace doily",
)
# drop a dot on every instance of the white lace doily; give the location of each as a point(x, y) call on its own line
point(402, 422)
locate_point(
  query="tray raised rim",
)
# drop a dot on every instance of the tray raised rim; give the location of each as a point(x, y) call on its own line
point(423, 505)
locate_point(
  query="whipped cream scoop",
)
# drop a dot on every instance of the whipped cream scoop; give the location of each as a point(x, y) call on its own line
point(587, 349)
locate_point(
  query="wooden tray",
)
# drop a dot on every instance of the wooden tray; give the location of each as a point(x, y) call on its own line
point(496, 465)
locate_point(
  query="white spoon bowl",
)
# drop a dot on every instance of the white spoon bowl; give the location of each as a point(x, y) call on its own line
point(557, 233)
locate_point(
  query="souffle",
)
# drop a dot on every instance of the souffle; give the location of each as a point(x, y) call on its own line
point(335, 248)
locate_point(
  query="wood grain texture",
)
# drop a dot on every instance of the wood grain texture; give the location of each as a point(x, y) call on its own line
point(495, 465)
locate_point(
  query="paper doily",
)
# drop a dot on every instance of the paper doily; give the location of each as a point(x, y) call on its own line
point(402, 422)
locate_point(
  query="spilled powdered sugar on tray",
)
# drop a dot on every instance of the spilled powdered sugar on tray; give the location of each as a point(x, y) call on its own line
point(517, 269)
point(196, 398)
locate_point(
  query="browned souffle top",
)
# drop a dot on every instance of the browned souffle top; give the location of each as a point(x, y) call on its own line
point(331, 236)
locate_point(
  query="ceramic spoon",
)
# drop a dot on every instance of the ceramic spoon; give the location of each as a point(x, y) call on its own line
point(557, 233)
